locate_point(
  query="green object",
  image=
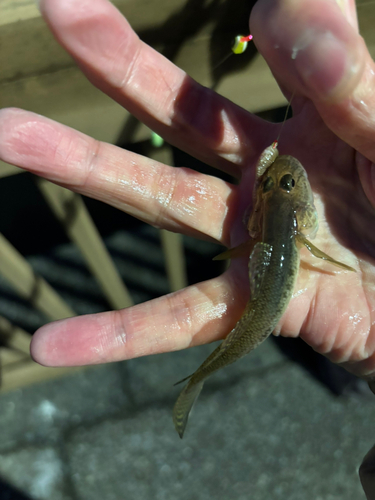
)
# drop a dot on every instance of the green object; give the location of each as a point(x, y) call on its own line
point(239, 47)
point(156, 140)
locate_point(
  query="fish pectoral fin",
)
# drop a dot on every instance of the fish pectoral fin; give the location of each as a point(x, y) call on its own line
point(184, 405)
point(321, 255)
point(238, 251)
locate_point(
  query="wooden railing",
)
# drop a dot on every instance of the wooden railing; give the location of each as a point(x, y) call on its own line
point(38, 75)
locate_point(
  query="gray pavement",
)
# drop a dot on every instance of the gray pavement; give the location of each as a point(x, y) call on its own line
point(262, 429)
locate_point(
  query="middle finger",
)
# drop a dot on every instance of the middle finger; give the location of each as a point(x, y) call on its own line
point(177, 199)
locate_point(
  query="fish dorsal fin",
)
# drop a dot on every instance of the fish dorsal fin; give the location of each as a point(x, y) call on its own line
point(259, 261)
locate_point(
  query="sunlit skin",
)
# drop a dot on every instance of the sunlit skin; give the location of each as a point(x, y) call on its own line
point(332, 134)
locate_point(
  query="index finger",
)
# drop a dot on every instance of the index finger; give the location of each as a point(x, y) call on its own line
point(152, 88)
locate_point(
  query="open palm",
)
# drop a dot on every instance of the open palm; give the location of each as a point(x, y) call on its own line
point(332, 310)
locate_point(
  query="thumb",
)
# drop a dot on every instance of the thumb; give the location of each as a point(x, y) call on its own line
point(313, 49)
point(310, 47)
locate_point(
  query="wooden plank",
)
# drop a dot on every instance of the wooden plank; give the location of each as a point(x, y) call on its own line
point(71, 211)
point(29, 285)
point(69, 98)
point(17, 369)
point(167, 21)
point(366, 20)
point(36, 80)
point(15, 11)
point(14, 376)
point(172, 243)
point(22, 26)
point(175, 263)
point(10, 357)
point(6, 169)
point(85, 108)
point(14, 337)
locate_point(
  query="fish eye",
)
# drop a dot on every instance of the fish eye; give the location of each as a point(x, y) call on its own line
point(287, 182)
point(268, 184)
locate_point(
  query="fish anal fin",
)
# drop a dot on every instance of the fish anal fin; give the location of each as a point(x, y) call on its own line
point(321, 255)
point(238, 251)
point(183, 380)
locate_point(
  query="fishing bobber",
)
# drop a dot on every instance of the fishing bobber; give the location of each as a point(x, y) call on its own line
point(240, 44)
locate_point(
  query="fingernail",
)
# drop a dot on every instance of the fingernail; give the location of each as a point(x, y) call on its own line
point(326, 64)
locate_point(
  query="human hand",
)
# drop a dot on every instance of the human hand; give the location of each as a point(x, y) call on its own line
point(331, 130)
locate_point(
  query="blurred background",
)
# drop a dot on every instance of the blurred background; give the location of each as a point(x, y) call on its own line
point(283, 423)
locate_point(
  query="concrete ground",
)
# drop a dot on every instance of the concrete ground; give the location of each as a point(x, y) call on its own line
point(264, 428)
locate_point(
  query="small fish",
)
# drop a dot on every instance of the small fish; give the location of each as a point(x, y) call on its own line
point(283, 217)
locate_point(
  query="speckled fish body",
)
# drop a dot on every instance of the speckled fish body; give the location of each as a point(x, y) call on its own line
point(283, 215)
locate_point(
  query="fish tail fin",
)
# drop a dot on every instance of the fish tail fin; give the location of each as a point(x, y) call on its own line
point(184, 404)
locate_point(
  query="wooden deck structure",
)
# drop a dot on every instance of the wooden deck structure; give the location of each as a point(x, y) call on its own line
point(38, 75)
